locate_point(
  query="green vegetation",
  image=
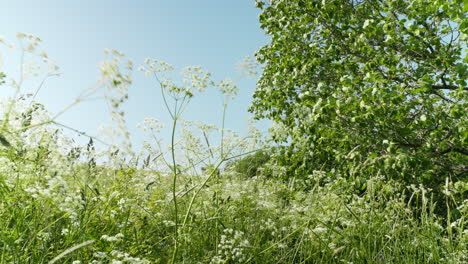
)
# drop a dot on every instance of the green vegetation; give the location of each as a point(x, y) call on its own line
point(366, 162)
point(368, 87)
point(252, 165)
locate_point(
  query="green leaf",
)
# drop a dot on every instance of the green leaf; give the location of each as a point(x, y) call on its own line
point(4, 141)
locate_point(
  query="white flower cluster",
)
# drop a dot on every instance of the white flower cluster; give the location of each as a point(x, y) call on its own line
point(227, 88)
point(270, 226)
point(196, 78)
point(115, 238)
point(232, 247)
point(30, 65)
point(112, 74)
point(151, 124)
point(248, 66)
point(33, 41)
point(116, 77)
point(116, 257)
point(155, 66)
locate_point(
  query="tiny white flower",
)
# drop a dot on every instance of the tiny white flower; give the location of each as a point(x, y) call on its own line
point(367, 23)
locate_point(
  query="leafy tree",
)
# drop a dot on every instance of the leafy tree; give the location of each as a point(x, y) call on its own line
point(367, 86)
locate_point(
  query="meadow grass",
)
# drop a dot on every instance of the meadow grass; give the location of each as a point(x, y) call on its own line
point(234, 219)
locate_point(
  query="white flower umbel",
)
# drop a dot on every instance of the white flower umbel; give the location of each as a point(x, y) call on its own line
point(232, 247)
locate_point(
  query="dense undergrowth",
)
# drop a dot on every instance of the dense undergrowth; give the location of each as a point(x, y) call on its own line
point(51, 202)
point(65, 203)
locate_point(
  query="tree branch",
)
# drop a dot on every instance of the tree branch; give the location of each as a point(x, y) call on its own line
point(463, 151)
point(447, 87)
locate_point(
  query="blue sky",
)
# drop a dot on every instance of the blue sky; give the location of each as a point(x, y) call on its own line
point(216, 34)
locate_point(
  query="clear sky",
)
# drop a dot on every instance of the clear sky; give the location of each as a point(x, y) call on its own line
point(216, 34)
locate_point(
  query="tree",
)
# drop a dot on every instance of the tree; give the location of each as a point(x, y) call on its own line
point(367, 86)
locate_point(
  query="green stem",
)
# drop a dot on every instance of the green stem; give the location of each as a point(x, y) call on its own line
point(174, 196)
point(280, 241)
point(198, 191)
point(208, 178)
point(222, 130)
point(164, 97)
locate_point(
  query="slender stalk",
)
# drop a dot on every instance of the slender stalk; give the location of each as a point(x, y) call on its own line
point(41, 85)
point(174, 195)
point(198, 191)
point(208, 178)
point(280, 241)
point(175, 116)
point(222, 130)
point(77, 100)
point(70, 250)
point(164, 96)
point(222, 157)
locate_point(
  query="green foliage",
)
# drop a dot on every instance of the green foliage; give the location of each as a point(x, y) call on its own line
point(250, 165)
point(367, 87)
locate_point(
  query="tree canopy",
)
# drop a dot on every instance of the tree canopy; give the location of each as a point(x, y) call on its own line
point(367, 86)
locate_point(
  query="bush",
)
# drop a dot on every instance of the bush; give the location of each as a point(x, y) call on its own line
point(251, 165)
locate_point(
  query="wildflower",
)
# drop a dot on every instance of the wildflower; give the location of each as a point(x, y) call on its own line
point(118, 237)
point(65, 231)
